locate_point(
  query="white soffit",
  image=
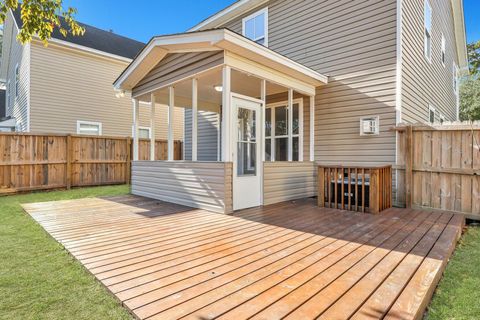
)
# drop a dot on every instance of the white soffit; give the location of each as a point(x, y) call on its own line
point(211, 40)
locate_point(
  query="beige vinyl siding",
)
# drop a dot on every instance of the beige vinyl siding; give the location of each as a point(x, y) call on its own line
point(284, 181)
point(425, 83)
point(69, 85)
point(204, 185)
point(16, 55)
point(355, 44)
point(208, 124)
point(176, 66)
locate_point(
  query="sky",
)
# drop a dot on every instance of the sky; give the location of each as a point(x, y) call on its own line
point(142, 19)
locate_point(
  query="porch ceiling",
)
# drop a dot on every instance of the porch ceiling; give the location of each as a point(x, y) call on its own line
point(240, 53)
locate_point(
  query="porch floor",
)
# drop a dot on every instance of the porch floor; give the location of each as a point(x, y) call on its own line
point(289, 260)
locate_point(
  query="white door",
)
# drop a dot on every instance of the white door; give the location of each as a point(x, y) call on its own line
point(247, 170)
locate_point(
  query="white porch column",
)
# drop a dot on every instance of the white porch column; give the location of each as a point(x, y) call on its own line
point(226, 115)
point(263, 94)
point(312, 128)
point(136, 116)
point(290, 124)
point(194, 118)
point(152, 127)
point(171, 103)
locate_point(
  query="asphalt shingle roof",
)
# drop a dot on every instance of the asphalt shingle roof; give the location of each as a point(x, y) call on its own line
point(98, 39)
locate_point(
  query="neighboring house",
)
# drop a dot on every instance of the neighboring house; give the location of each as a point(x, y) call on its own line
point(66, 87)
point(293, 83)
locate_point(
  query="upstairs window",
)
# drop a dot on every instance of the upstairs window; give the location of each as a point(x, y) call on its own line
point(7, 93)
point(255, 27)
point(443, 50)
point(428, 30)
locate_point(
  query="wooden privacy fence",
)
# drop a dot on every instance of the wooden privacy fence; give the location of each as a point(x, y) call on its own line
point(364, 189)
point(49, 161)
point(439, 167)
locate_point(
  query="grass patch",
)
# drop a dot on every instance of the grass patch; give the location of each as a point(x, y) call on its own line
point(38, 278)
point(458, 295)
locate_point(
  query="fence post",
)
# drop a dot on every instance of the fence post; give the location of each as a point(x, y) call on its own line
point(128, 164)
point(321, 186)
point(375, 191)
point(408, 166)
point(68, 172)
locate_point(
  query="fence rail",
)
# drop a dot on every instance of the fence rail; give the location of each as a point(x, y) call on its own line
point(364, 189)
point(49, 161)
point(439, 167)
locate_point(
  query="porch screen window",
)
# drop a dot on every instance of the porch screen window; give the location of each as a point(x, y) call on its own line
point(255, 27)
point(428, 30)
point(443, 50)
point(247, 142)
point(276, 132)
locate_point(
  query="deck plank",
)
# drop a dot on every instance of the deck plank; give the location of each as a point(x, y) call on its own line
point(292, 259)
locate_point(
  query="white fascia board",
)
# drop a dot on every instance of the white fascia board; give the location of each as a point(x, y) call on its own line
point(460, 34)
point(227, 14)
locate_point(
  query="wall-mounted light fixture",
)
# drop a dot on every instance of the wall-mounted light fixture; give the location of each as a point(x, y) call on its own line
point(218, 88)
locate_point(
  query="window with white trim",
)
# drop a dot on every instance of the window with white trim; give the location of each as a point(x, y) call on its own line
point(370, 126)
point(443, 57)
point(17, 81)
point(431, 114)
point(428, 30)
point(89, 128)
point(143, 132)
point(277, 131)
point(255, 27)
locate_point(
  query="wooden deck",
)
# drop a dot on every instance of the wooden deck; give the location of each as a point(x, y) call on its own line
point(290, 260)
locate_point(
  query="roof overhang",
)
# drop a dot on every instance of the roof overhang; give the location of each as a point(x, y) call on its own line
point(460, 34)
point(212, 40)
point(227, 14)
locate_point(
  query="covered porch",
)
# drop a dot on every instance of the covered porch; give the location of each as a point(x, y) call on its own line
point(258, 146)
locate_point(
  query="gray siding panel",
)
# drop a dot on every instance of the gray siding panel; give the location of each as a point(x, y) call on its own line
point(284, 181)
point(176, 66)
point(204, 185)
point(425, 83)
point(207, 136)
point(354, 42)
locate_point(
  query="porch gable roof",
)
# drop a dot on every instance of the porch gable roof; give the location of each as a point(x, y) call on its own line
point(213, 40)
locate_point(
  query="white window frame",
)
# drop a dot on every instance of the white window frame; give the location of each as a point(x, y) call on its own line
point(427, 39)
point(443, 56)
point(377, 126)
point(431, 109)
point(143, 128)
point(92, 123)
point(272, 135)
point(17, 81)
point(253, 16)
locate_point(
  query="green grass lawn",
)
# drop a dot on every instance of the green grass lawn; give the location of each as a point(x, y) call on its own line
point(458, 294)
point(38, 278)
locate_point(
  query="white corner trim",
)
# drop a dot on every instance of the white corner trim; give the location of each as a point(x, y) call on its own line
point(399, 67)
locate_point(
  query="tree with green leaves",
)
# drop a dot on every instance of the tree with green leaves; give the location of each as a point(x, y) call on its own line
point(470, 86)
point(473, 50)
point(41, 17)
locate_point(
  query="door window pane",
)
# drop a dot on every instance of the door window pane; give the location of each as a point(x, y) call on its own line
point(246, 144)
point(281, 149)
point(281, 121)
